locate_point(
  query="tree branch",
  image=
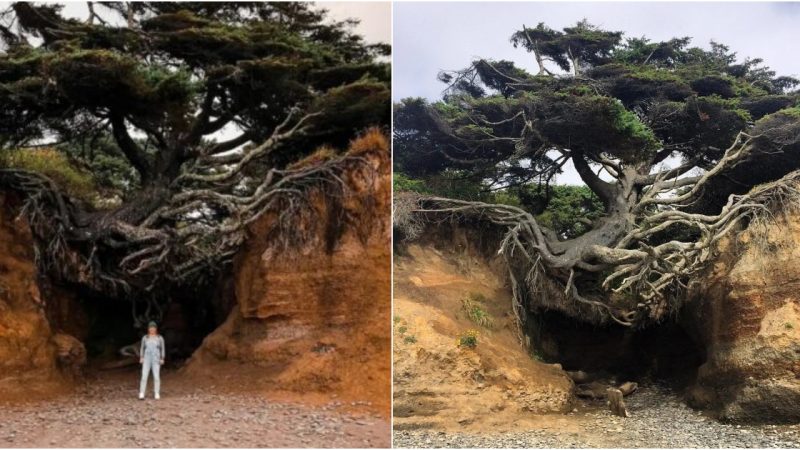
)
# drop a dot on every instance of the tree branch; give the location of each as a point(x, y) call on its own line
point(603, 189)
point(137, 157)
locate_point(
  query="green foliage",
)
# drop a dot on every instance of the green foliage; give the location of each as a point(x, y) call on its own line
point(567, 210)
point(473, 307)
point(468, 339)
point(767, 104)
point(791, 112)
point(255, 61)
point(402, 182)
point(55, 165)
point(410, 339)
point(402, 329)
point(570, 210)
point(112, 173)
point(451, 183)
point(574, 46)
point(545, 41)
point(788, 326)
point(628, 124)
point(505, 197)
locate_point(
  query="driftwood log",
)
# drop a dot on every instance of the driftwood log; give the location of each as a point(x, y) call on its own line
point(597, 390)
point(579, 376)
point(615, 402)
point(627, 388)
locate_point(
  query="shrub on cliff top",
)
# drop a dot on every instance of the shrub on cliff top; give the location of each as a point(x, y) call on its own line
point(54, 165)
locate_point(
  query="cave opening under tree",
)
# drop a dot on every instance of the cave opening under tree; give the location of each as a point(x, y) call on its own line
point(111, 328)
point(662, 353)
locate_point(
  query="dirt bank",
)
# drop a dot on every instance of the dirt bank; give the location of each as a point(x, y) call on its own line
point(746, 312)
point(441, 385)
point(29, 348)
point(315, 321)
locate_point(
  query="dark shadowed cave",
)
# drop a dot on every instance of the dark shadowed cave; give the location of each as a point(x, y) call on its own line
point(105, 325)
point(664, 352)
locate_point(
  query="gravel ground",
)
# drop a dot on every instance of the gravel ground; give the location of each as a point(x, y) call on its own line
point(108, 414)
point(658, 419)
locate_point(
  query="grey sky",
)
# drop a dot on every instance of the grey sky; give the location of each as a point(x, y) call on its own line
point(376, 18)
point(431, 36)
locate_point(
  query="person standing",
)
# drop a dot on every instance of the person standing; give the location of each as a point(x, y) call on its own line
point(151, 357)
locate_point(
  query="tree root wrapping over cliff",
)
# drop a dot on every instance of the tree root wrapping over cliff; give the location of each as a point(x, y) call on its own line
point(194, 235)
point(636, 263)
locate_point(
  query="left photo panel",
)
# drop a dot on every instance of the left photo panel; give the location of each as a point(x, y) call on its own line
point(195, 238)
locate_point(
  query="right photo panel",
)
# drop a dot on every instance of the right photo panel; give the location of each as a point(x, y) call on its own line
point(596, 224)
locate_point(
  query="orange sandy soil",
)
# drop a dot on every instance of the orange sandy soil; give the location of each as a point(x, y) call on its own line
point(223, 412)
point(496, 386)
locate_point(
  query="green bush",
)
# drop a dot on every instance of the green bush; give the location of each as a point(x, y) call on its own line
point(55, 165)
point(568, 210)
point(469, 339)
point(410, 340)
point(475, 312)
point(403, 182)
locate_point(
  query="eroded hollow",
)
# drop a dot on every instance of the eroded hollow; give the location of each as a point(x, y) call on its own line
point(110, 328)
point(663, 352)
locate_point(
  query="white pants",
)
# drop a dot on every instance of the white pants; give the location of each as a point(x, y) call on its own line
point(151, 363)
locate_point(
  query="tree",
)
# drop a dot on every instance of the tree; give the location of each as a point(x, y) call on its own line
point(191, 113)
point(626, 110)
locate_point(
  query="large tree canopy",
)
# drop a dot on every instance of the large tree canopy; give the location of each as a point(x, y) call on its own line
point(619, 110)
point(191, 117)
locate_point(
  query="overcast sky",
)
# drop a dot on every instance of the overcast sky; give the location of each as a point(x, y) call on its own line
point(429, 37)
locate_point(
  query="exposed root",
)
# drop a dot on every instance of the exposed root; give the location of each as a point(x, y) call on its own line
point(633, 266)
point(195, 234)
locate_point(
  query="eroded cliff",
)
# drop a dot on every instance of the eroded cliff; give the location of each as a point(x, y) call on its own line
point(746, 313)
point(33, 358)
point(316, 319)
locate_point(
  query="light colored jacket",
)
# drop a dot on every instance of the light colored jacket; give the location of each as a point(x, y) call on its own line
point(153, 347)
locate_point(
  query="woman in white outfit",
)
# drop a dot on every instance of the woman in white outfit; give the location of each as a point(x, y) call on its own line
point(152, 354)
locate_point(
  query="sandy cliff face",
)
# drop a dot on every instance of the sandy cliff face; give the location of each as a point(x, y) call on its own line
point(317, 320)
point(495, 386)
point(747, 315)
point(32, 358)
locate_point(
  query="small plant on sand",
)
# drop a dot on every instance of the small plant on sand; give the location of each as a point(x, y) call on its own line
point(402, 329)
point(475, 311)
point(410, 339)
point(397, 319)
point(469, 339)
point(788, 326)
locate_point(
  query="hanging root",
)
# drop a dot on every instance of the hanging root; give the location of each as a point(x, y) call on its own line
point(637, 278)
point(196, 233)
